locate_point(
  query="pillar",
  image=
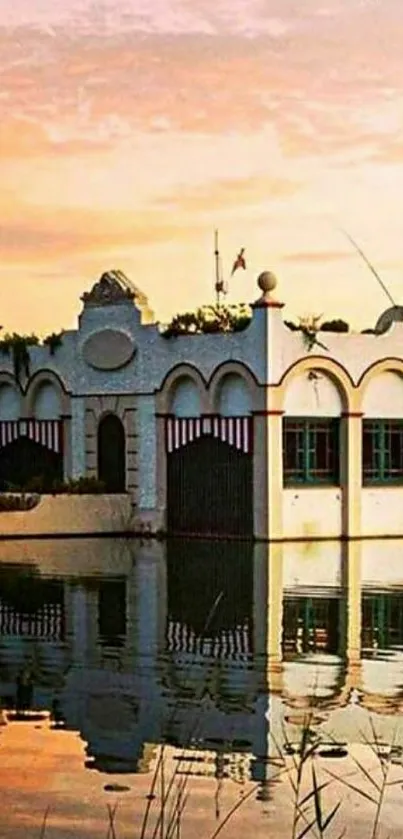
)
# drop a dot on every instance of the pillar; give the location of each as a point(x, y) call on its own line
point(268, 460)
point(67, 446)
point(351, 473)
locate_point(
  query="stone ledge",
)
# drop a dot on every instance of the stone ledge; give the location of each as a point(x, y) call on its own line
point(57, 515)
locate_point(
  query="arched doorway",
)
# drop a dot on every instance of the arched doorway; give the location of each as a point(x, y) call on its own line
point(112, 453)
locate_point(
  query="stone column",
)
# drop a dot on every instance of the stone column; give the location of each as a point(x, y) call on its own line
point(67, 446)
point(351, 473)
point(78, 441)
point(147, 513)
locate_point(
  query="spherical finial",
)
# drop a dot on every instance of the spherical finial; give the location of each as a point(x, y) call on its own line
point(267, 281)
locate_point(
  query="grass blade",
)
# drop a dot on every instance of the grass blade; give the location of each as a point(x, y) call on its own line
point(329, 818)
point(352, 786)
point(44, 820)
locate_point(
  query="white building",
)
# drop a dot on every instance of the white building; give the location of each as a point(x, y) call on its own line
point(261, 432)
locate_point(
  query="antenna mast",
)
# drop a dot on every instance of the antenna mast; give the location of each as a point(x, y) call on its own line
point(370, 266)
point(219, 284)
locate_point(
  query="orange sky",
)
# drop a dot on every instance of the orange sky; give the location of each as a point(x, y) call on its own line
point(130, 129)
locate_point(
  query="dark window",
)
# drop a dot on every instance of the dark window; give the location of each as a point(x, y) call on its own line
point(111, 454)
point(311, 451)
point(382, 451)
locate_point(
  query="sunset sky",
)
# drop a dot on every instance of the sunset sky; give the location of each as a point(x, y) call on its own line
point(130, 129)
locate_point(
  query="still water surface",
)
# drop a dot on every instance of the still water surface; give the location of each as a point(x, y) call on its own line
point(209, 647)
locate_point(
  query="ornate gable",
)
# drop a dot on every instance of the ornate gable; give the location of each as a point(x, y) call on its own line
point(108, 291)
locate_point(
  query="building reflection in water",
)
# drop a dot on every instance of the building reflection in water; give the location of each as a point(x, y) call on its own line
point(215, 648)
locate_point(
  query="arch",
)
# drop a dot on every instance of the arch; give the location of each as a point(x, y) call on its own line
point(38, 381)
point(385, 365)
point(10, 401)
point(46, 402)
point(233, 397)
point(185, 398)
point(240, 389)
point(111, 453)
point(187, 372)
point(318, 365)
point(383, 395)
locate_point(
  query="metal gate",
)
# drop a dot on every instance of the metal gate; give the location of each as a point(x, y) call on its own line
point(30, 450)
point(210, 476)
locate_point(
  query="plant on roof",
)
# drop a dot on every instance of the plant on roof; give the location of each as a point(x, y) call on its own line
point(18, 346)
point(209, 320)
point(53, 341)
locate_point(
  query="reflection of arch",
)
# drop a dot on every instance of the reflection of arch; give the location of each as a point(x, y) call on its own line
point(210, 615)
point(334, 371)
point(112, 453)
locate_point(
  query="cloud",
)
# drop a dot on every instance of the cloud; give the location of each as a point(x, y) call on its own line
point(315, 256)
point(22, 139)
point(225, 194)
point(33, 234)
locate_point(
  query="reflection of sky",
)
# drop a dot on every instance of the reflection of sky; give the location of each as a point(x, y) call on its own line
point(131, 129)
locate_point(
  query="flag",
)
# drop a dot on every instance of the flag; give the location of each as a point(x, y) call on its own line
point(239, 262)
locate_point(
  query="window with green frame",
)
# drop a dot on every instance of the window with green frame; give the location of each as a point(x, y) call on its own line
point(382, 451)
point(311, 450)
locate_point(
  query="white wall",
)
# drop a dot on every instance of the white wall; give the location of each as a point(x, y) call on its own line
point(382, 511)
point(383, 397)
point(382, 562)
point(312, 394)
point(312, 512)
point(9, 403)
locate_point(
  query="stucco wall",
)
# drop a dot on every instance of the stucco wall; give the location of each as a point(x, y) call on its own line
point(382, 563)
point(70, 514)
point(382, 511)
point(310, 513)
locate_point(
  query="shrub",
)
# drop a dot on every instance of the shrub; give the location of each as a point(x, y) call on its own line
point(13, 503)
point(209, 320)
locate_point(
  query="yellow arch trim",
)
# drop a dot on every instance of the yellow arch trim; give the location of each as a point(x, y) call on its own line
point(338, 375)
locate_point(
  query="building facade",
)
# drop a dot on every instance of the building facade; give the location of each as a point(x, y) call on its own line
point(265, 433)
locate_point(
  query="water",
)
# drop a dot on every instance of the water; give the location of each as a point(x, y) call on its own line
point(212, 648)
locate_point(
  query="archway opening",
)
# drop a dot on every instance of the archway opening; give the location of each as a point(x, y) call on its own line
point(112, 454)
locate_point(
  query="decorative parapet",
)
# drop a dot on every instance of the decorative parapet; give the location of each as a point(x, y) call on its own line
point(115, 289)
point(108, 291)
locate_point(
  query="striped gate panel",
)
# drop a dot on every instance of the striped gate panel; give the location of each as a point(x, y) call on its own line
point(47, 433)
